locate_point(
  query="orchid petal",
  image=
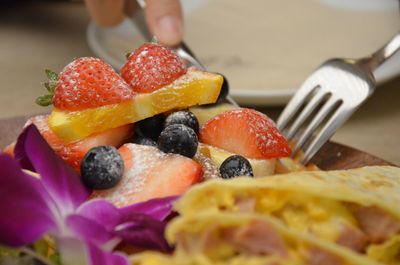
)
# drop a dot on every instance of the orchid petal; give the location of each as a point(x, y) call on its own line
point(133, 228)
point(98, 256)
point(60, 180)
point(90, 231)
point(159, 208)
point(102, 212)
point(143, 231)
point(24, 205)
point(20, 154)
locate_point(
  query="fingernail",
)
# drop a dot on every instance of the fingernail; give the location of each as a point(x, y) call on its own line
point(168, 31)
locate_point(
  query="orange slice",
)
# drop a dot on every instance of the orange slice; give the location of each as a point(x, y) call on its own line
point(193, 88)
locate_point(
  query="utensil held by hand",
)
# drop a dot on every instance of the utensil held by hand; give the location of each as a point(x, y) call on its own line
point(329, 97)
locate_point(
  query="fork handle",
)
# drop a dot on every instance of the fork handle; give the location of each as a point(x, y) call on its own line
point(384, 53)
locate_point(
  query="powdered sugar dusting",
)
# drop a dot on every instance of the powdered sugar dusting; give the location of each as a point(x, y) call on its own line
point(135, 176)
point(144, 160)
point(146, 169)
point(246, 132)
point(151, 67)
point(141, 55)
point(268, 137)
point(88, 83)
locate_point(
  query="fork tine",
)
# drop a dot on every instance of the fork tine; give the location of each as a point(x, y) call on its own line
point(316, 121)
point(295, 103)
point(305, 113)
point(337, 119)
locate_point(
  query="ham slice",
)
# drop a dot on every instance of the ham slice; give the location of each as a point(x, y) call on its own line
point(352, 237)
point(375, 223)
point(257, 238)
point(319, 256)
point(199, 243)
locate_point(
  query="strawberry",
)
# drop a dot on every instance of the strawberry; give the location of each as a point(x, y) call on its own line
point(150, 173)
point(151, 67)
point(245, 132)
point(9, 149)
point(73, 153)
point(89, 83)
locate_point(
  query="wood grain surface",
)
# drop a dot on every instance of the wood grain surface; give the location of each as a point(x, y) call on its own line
point(331, 156)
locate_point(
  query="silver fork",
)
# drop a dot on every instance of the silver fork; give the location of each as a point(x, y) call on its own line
point(329, 97)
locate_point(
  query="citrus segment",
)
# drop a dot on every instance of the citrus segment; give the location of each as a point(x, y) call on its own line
point(205, 113)
point(192, 88)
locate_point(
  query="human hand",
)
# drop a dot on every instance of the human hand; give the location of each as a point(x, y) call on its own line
point(165, 21)
point(164, 17)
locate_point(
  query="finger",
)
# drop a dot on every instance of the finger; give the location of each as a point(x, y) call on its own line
point(165, 21)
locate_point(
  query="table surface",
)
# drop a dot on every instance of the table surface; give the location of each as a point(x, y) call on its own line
point(34, 43)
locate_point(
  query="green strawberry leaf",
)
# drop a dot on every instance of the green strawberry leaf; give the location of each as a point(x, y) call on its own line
point(50, 86)
point(47, 86)
point(154, 40)
point(51, 75)
point(45, 100)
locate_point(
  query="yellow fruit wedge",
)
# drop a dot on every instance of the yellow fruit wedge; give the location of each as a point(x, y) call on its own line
point(193, 88)
point(261, 167)
point(205, 113)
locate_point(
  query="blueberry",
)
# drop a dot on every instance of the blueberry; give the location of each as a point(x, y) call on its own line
point(178, 139)
point(150, 127)
point(102, 167)
point(145, 141)
point(235, 166)
point(224, 91)
point(184, 117)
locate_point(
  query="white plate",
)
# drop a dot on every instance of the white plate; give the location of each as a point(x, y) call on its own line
point(266, 69)
point(280, 97)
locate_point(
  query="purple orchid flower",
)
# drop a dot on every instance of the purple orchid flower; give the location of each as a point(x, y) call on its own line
point(86, 231)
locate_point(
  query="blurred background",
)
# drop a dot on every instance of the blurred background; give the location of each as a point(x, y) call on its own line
point(36, 35)
point(265, 48)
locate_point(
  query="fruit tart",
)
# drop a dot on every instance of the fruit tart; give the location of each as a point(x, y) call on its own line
point(127, 144)
point(140, 134)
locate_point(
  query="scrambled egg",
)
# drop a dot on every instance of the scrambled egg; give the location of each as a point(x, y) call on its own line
point(323, 217)
point(387, 253)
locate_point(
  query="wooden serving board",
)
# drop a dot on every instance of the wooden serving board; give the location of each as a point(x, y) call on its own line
point(331, 156)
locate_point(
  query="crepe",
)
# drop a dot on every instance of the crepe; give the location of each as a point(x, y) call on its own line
point(229, 238)
point(352, 210)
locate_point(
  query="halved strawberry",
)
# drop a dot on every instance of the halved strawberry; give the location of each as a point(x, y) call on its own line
point(9, 149)
point(151, 67)
point(245, 132)
point(88, 83)
point(73, 153)
point(150, 173)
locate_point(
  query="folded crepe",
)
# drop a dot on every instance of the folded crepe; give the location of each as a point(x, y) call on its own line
point(211, 238)
point(355, 211)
